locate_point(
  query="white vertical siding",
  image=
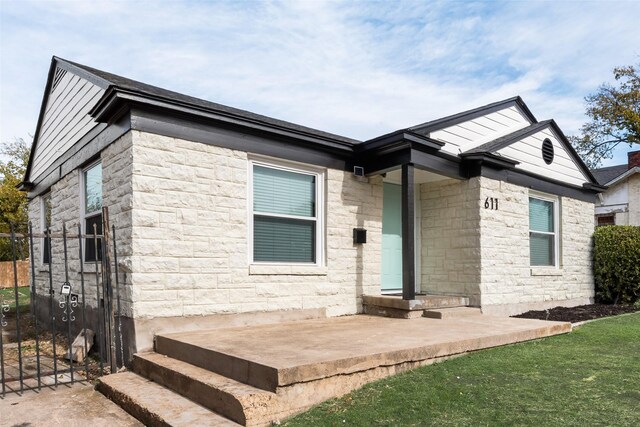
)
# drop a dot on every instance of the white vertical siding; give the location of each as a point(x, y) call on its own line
point(472, 133)
point(528, 152)
point(65, 120)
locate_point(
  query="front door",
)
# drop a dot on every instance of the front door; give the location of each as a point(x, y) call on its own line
point(391, 238)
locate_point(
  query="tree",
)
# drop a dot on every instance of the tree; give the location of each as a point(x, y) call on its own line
point(614, 113)
point(13, 202)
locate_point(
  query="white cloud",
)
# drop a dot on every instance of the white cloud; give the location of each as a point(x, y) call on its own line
point(354, 68)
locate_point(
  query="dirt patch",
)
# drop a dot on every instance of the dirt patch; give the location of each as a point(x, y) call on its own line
point(579, 313)
point(45, 349)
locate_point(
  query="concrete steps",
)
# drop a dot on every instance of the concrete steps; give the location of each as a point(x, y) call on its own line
point(394, 306)
point(237, 368)
point(452, 313)
point(237, 401)
point(157, 406)
point(261, 374)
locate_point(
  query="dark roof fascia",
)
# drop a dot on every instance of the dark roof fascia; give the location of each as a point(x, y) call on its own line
point(397, 140)
point(539, 183)
point(393, 155)
point(489, 159)
point(25, 186)
point(502, 142)
point(117, 101)
point(81, 72)
point(506, 140)
point(594, 187)
point(455, 119)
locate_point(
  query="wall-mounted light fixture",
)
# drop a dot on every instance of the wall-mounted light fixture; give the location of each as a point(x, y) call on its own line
point(359, 236)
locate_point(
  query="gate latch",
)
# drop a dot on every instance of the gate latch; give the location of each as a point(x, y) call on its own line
point(66, 289)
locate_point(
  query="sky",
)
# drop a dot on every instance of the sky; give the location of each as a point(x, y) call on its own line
point(355, 68)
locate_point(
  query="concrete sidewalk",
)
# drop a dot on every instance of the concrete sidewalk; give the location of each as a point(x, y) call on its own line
point(68, 405)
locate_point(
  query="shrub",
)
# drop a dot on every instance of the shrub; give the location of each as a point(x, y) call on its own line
point(617, 264)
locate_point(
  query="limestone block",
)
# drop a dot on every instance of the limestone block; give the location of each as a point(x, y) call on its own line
point(79, 349)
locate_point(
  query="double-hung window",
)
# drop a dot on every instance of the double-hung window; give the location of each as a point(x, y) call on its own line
point(45, 209)
point(286, 217)
point(543, 231)
point(92, 210)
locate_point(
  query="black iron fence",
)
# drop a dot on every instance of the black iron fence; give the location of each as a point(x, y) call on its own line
point(65, 325)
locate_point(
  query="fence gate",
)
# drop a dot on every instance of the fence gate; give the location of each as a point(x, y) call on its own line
point(58, 320)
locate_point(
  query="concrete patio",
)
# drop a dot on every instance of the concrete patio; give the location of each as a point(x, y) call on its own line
point(256, 375)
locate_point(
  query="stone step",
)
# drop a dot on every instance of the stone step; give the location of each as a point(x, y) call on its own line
point(452, 313)
point(237, 401)
point(157, 406)
point(395, 306)
point(228, 365)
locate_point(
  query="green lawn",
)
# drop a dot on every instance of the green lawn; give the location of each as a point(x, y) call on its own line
point(8, 295)
point(590, 377)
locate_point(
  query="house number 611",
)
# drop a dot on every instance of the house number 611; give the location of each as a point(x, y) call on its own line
point(491, 203)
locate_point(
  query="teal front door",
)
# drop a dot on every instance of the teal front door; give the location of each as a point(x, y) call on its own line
point(391, 238)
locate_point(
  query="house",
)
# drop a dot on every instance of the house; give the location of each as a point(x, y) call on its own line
point(225, 216)
point(619, 204)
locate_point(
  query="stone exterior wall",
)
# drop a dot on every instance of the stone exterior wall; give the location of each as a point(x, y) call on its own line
point(634, 200)
point(450, 254)
point(181, 216)
point(484, 254)
point(189, 234)
point(65, 203)
point(508, 284)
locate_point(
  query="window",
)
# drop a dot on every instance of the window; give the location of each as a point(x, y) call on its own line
point(606, 220)
point(45, 211)
point(286, 215)
point(92, 210)
point(543, 231)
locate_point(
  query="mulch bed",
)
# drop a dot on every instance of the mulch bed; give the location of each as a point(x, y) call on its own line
point(579, 313)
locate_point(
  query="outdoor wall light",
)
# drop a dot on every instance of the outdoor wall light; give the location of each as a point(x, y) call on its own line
point(359, 236)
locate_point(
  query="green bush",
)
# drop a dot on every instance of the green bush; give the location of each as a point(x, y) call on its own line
point(617, 264)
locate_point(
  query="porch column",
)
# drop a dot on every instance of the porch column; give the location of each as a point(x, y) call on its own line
point(408, 234)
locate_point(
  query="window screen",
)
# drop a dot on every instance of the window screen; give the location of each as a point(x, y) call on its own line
point(284, 220)
point(46, 224)
point(542, 233)
point(93, 211)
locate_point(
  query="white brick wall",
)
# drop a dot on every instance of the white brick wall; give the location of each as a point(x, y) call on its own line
point(484, 254)
point(508, 283)
point(65, 202)
point(189, 229)
point(180, 209)
point(450, 255)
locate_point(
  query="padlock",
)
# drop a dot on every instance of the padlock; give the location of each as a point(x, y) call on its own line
point(66, 288)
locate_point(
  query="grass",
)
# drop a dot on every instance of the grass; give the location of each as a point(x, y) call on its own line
point(590, 377)
point(24, 300)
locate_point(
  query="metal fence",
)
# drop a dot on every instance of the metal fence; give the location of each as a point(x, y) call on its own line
point(65, 325)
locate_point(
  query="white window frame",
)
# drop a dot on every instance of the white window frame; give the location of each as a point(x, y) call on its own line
point(43, 226)
point(83, 214)
point(319, 206)
point(556, 228)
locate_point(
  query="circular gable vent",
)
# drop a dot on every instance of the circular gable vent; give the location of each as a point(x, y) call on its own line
point(547, 151)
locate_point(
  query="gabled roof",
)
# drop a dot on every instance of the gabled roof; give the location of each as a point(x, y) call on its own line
point(609, 173)
point(119, 82)
point(497, 144)
point(503, 141)
point(455, 119)
point(117, 85)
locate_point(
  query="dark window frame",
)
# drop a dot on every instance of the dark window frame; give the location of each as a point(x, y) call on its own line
point(91, 218)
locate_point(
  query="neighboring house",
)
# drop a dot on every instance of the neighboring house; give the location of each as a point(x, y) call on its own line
point(619, 204)
point(222, 211)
